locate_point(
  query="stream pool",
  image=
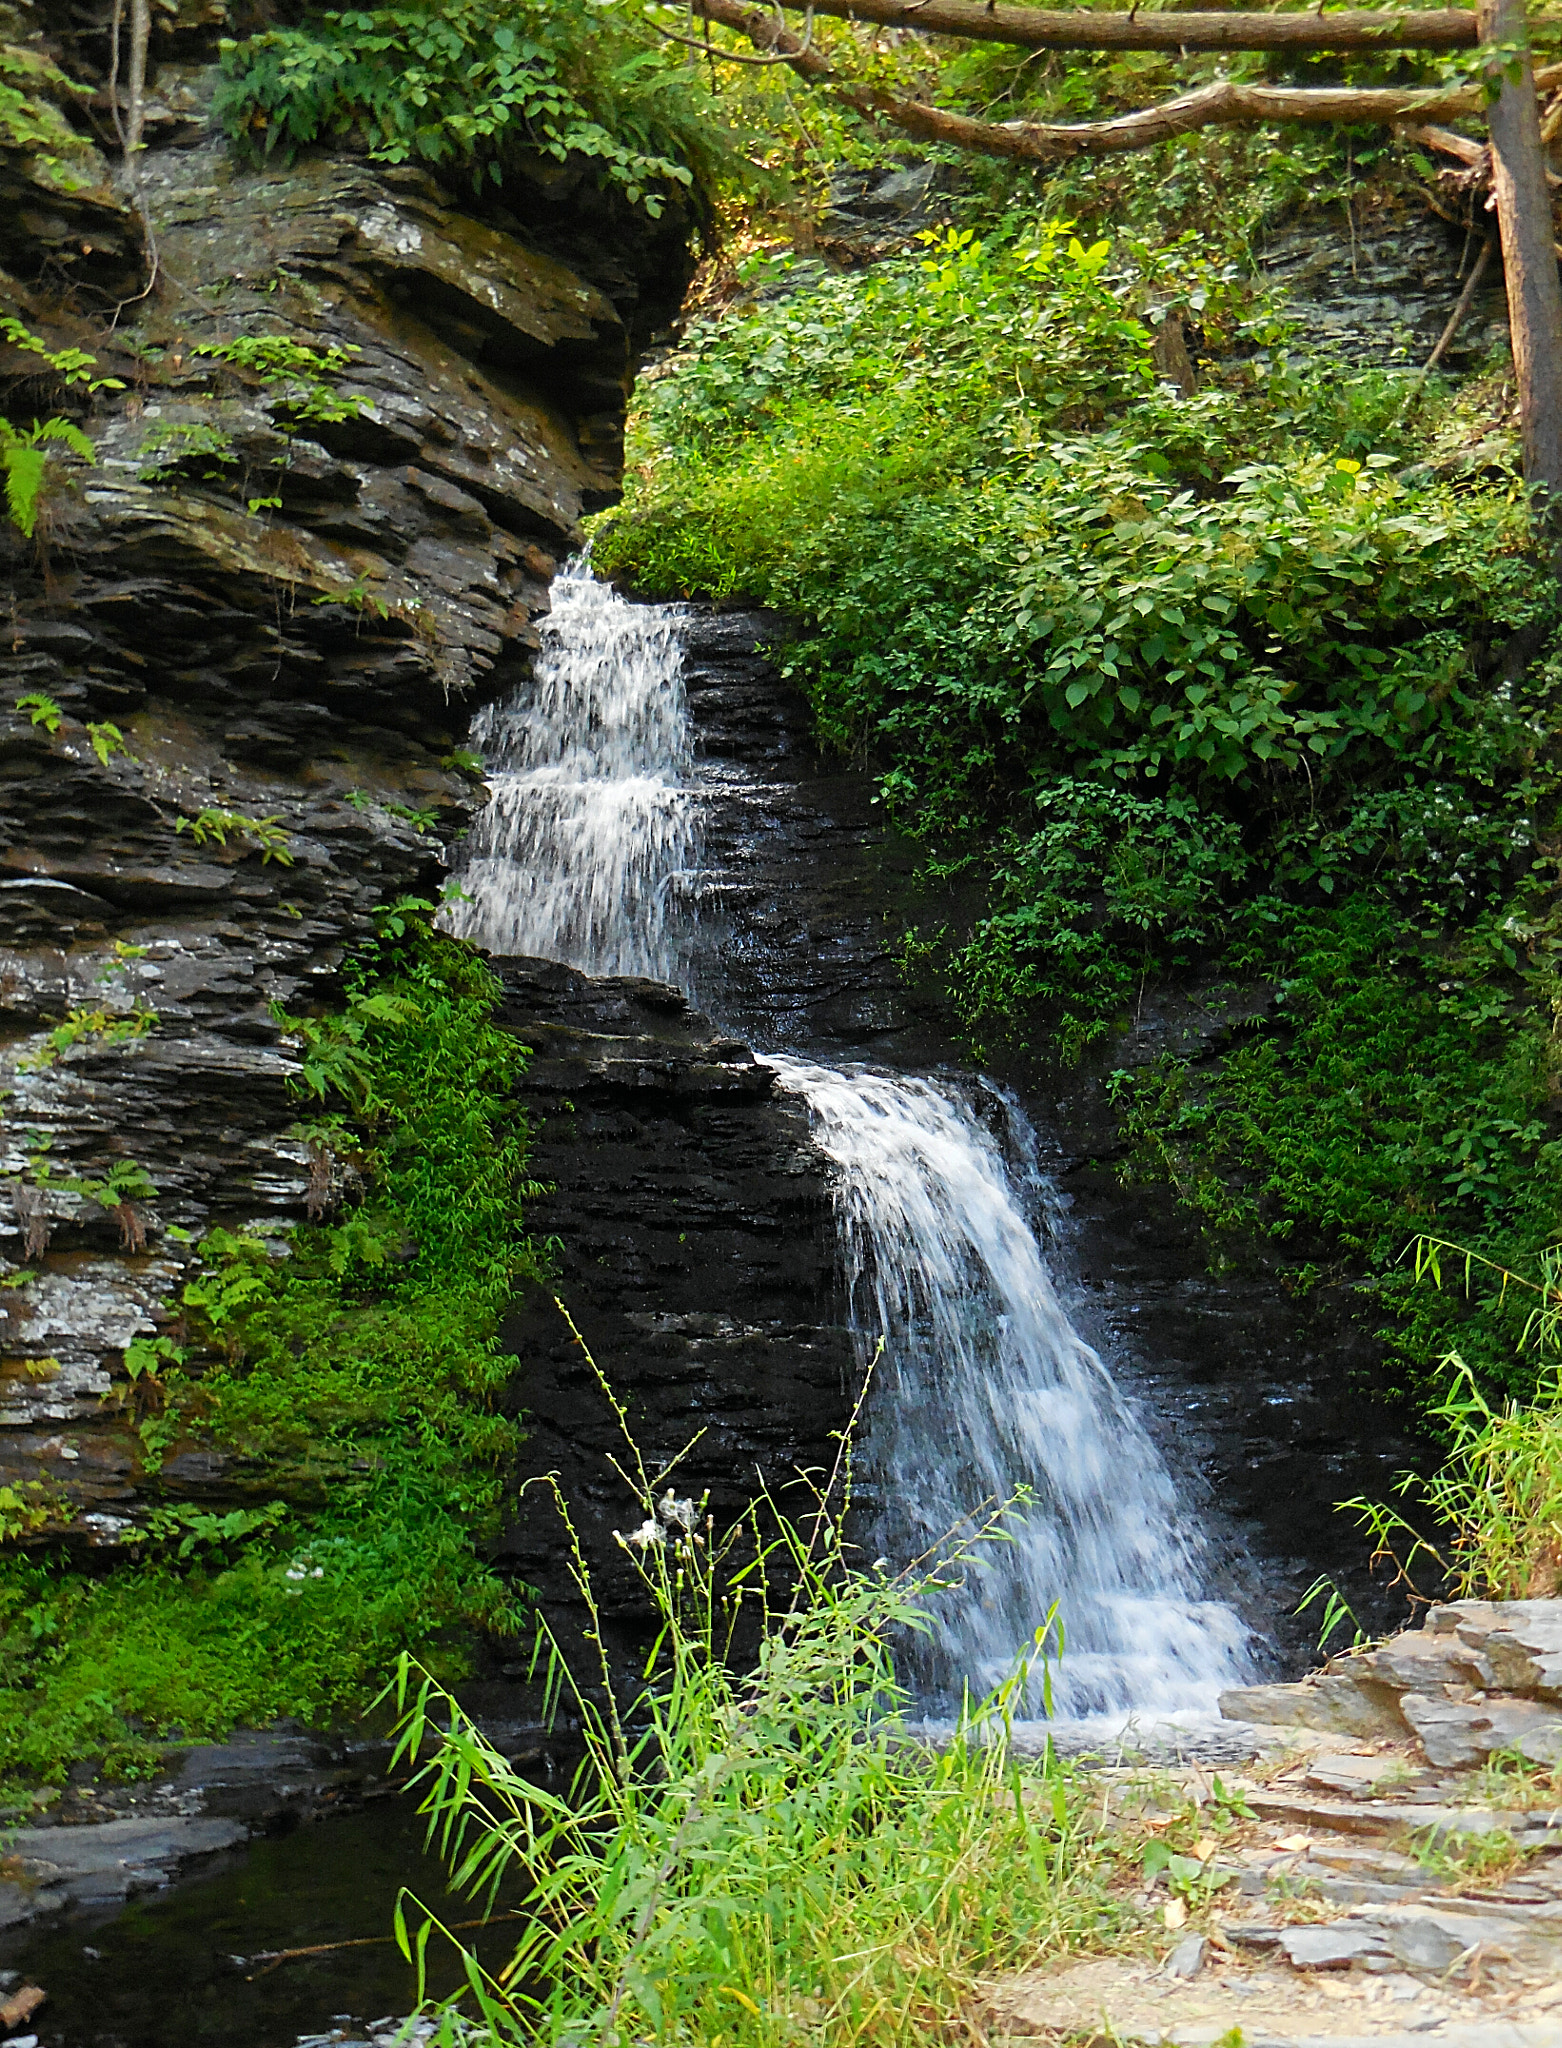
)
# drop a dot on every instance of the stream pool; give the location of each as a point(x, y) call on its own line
point(185, 1966)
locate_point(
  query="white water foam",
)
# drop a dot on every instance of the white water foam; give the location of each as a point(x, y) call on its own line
point(589, 835)
point(986, 1387)
point(586, 854)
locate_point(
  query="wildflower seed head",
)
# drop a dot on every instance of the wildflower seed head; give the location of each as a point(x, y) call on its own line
point(677, 1514)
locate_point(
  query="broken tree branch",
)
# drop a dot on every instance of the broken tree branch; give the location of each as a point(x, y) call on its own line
point(1225, 103)
point(1462, 305)
point(1035, 28)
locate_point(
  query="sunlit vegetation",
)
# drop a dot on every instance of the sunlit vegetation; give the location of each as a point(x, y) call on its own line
point(1206, 689)
point(764, 1852)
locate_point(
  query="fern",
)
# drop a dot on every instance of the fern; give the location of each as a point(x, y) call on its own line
point(26, 456)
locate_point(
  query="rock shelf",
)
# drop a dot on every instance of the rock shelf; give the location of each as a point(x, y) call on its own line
point(1398, 1879)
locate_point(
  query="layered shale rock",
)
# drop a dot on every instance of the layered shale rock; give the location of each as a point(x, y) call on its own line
point(239, 661)
point(1482, 1678)
point(690, 1219)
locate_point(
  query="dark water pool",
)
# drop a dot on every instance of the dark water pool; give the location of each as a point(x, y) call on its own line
point(177, 1967)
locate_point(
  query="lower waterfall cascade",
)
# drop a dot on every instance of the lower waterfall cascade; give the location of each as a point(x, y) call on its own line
point(588, 854)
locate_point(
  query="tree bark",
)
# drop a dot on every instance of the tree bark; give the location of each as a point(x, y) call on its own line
point(1224, 103)
point(135, 116)
point(1528, 257)
point(1079, 28)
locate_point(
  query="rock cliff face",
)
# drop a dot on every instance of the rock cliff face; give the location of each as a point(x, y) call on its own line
point(696, 1248)
point(239, 658)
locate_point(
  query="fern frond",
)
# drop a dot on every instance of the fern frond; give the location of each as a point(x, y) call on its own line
point(23, 483)
point(68, 432)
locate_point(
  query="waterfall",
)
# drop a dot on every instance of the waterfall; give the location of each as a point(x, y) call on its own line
point(984, 1386)
point(590, 828)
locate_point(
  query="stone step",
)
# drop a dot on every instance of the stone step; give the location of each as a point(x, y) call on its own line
point(1403, 1820)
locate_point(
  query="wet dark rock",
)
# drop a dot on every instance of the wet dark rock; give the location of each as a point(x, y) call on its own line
point(312, 665)
point(696, 1248)
point(50, 1868)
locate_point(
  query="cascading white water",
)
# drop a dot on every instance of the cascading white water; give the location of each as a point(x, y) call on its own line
point(986, 1387)
point(583, 855)
point(590, 830)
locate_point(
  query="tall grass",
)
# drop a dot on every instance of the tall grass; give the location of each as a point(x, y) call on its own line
point(757, 1851)
point(1498, 1493)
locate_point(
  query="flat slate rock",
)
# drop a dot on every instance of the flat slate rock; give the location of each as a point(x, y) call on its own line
point(1335, 1705)
point(1520, 1641)
point(1458, 1734)
point(46, 1869)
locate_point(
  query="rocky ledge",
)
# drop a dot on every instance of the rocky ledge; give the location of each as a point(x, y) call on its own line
point(1482, 1677)
point(1357, 1880)
point(689, 1215)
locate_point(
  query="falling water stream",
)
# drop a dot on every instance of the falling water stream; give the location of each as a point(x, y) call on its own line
point(587, 854)
point(591, 827)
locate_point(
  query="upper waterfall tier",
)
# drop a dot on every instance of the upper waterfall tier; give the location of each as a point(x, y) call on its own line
point(580, 851)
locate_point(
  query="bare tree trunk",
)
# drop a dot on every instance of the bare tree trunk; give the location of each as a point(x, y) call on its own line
point(140, 37)
point(1528, 256)
point(129, 123)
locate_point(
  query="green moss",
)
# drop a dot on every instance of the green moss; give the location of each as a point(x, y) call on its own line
point(351, 1377)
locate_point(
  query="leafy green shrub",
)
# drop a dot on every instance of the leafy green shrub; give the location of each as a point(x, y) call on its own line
point(462, 87)
point(1112, 889)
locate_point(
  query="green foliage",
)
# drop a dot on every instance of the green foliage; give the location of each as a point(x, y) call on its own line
point(1111, 890)
point(26, 1508)
point(753, 1851)
point(460, 88)
point(68, 365)
point(420, 820)
point(359, 1372)
point(904, 445)
point(338, 1052)
point(217, 826)
point(1399, 1084)
point(42, 711)
point(107, 741)
point(1496, 1501)
point(24, 456)
point(25, 453)
point(101, 1026)
point(1192, 687)
point(34, 93)
point(167, 448)
point(304, 373)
